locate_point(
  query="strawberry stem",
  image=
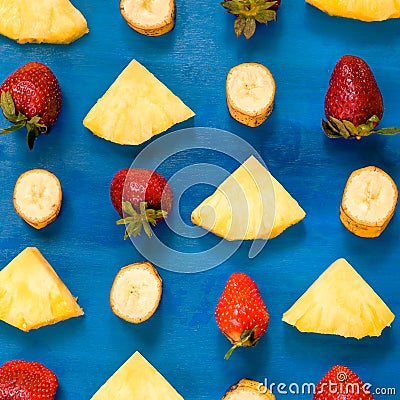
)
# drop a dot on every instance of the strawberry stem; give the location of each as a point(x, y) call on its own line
point(247, 339)
point(134, 221)
point(336, 128)
point(34, 128)
point(248, 12)
point(230, 351)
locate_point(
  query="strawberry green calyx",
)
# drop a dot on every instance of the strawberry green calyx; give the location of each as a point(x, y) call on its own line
point(247, 339)
point(335, 128)
point(248, 13)
point(33, 126)
point(134, 221)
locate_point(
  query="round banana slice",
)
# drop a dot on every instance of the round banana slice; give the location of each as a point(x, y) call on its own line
point(250, 93)
point(149, 17)
point(247, 389)
point(136, 292)
point(37, 197)
point(369, 202)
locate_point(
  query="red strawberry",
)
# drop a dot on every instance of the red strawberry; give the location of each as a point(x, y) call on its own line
point(140, 196)
point(31, 97)
point(353, 102)
point(249, 12)
point(276, 5)
point(241, 313)
point(341, 383)
point(23, 380)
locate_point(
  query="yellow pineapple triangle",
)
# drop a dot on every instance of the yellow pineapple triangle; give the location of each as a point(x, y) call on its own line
point(341, 303)
point(249, 204)
point(31, 293)
point(136, 107)
point(48, 21)
point(364, 10)
point(137, 379)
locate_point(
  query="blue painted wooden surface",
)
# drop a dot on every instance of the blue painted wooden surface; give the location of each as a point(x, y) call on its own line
point(86, 248)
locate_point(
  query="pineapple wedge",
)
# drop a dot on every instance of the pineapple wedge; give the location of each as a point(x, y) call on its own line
point(341, 303)
point(31, 293)
point(364, 10)
point(136, 107)
point(249, 204)
point(137, 379)
point(41, 21)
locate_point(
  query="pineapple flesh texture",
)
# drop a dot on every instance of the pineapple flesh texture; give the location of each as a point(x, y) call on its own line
point(341, 303)
point(364, 10)
point(137, 379)
point(136, 107)
point(41, 21)
point(249, 204)
point(31, 293)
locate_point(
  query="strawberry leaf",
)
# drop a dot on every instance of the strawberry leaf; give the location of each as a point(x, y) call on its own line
point(268, 4)
point(32, 134)
point(153, 216)
point(335, 128)
point(132, 230)
point(341, 127)
point(350, 128)
point(266, 16)
point(128, 208)
point(8, 106)
point(330, 130)
point(145, 221)
point(21, 117)
point(40, 127)
point(232, 6)
point(388, 131)
point(135, 221)
point(249, 27)
point(247, 337)
point(248, 13)
point(11, 128)
point(364, 130)
point(239, 25)
point(374, 120)
point(34, 127)
point(147, 228)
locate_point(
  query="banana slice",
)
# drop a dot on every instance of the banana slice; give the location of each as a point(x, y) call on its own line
point(369, 201)
point(149, 17)
point(250, 93)
point(136, 292)
point(37, 197)
point(247, 389)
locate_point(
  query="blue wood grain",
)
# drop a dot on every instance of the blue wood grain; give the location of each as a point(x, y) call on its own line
point(86, 248)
